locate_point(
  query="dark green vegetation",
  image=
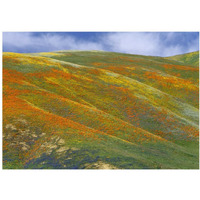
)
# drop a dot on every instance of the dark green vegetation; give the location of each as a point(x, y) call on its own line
point(96, 110)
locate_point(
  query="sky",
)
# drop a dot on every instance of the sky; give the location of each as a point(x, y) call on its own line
point(143, 43)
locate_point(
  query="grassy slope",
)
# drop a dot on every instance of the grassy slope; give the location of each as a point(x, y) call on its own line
point(81, 109)
point(188, 58)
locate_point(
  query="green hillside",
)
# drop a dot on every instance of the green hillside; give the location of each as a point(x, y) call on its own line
point(188, 58)
point(99, 110)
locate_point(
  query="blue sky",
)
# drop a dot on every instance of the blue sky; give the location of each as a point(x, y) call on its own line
point(144, 43)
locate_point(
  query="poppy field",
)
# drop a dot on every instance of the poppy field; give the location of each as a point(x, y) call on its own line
point(100, 110)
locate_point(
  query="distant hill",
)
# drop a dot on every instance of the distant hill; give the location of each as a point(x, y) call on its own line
point(97, 110)
point(188, 58)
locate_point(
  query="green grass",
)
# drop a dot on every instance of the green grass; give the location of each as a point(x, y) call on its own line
point(189, 58)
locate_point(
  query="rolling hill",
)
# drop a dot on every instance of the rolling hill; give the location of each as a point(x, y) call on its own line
point(100, 110)
point(188, 58)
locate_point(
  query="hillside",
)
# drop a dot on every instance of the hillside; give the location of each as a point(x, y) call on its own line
point(188, 58)
point(96, 110)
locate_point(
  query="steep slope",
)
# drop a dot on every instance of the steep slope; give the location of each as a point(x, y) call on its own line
point(188, 58)
point(76, 109)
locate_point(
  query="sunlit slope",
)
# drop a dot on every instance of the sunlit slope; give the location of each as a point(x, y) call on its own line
point(96, 110)
point(179, 80)
point(188, 58)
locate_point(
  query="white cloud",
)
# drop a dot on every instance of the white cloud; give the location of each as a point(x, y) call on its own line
point(47, 42)
point(148, 43)
point(70, 42)
point(135, 43)
point(127, 42)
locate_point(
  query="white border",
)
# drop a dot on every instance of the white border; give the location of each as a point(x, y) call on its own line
point(88, 15)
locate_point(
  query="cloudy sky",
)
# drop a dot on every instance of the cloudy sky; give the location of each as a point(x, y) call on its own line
point(144, 43)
